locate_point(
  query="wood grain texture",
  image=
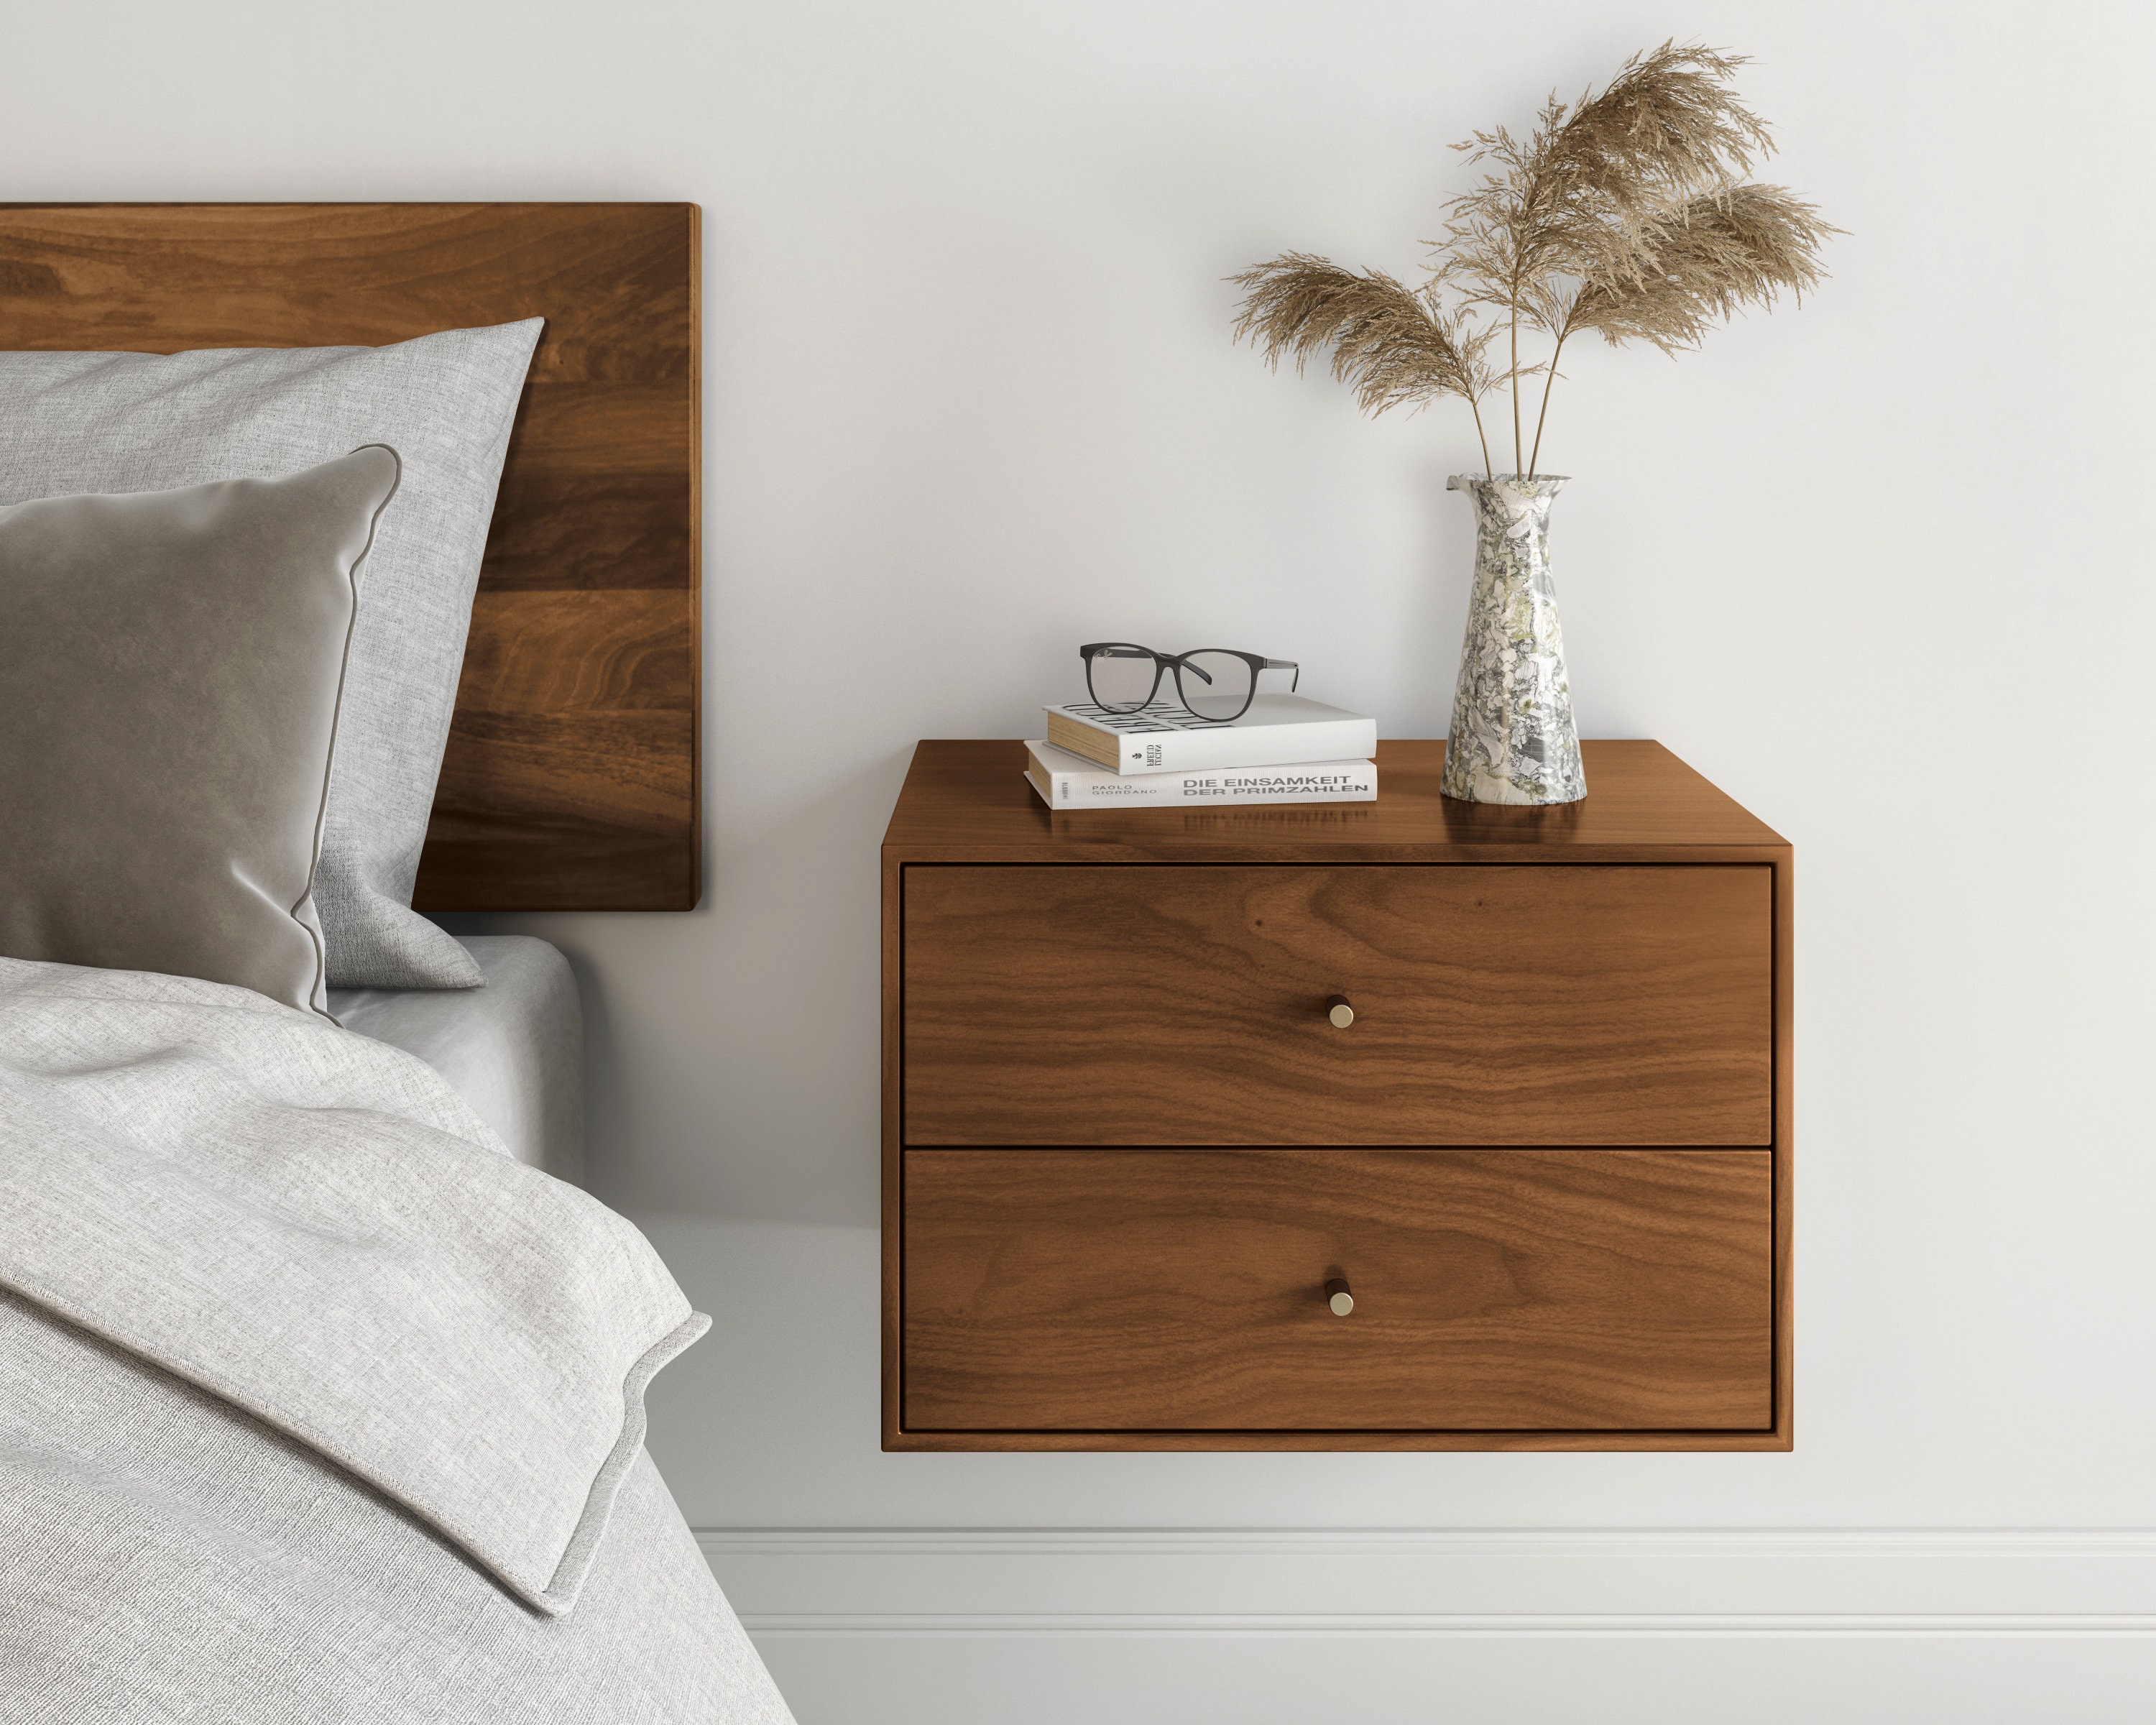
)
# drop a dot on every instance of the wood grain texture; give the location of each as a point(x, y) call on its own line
point(893, 1163)
point(1628, 1441)
point(968, 802)
point(965, 802)
point(1508, 1291)
point(1785, 1046)
point(571, 781)
point(1185, 1005)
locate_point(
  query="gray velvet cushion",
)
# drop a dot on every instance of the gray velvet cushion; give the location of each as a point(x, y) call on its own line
point(170, 669)
point(139, 421)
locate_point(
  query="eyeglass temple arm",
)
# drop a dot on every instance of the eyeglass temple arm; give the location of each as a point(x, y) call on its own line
point(1286, 664)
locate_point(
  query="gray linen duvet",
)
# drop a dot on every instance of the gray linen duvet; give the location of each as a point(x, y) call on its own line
point(315, 1406)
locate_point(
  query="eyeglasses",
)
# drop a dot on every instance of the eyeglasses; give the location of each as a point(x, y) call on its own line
point(1123, 678)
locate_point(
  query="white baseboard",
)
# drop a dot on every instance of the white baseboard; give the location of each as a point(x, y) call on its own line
point(857, 1582)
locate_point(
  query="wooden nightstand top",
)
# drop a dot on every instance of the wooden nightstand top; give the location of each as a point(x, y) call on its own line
point(968, 801)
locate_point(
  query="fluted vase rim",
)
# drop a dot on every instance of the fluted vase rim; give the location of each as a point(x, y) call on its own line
point(1539, 485)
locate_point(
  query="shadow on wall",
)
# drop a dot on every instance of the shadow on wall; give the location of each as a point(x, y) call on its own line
point(1435, 622)
point(736, 1073)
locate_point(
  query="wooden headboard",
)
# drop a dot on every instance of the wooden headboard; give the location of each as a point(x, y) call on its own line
point(571, 781)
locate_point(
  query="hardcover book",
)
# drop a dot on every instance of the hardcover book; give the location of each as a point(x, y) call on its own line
point(1278, 731)
point(1064, 781)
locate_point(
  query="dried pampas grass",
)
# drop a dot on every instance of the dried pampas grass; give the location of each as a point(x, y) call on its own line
point(1625, 212)
point(1395, 346)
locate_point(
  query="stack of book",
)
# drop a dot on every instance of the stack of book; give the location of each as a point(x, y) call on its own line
point(1285, 749)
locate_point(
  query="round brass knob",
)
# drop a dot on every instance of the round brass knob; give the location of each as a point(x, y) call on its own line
point(1338, 1298)
point(1339, 1010)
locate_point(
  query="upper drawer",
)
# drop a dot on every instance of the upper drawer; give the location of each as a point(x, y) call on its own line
point(1181, 1004)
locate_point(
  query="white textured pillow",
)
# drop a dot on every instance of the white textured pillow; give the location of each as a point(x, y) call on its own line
point(138, 422)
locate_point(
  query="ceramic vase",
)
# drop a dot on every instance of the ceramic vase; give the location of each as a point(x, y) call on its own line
point(1513, 737)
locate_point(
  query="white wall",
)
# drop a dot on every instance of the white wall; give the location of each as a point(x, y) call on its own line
point(1877, 566)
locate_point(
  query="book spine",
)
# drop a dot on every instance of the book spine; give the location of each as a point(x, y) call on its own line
point(1206, 750)
point(1071, 789)
point(1137, 754)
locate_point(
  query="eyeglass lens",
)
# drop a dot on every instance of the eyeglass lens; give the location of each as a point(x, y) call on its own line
point(1215, 686)
point(1121, 678)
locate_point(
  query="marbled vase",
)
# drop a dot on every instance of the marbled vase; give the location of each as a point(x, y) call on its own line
point(1513, 738)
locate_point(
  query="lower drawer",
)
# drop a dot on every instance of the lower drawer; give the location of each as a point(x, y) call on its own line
point(1186, 1290)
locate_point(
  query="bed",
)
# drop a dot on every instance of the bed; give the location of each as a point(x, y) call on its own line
point(513, 1048)
point(320, 1380)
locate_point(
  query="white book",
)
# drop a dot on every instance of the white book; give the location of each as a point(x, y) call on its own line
point(1278, 731)
point(1063, 781)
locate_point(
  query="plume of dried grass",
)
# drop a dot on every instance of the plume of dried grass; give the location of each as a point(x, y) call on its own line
point(1394, 345)
point(1625, 212)
point(1699, 264)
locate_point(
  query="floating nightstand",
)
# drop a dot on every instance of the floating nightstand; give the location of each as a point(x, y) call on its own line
point(1417, 1124)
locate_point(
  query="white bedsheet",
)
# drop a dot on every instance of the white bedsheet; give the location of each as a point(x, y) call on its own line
point(514, 1049)
point(315, 1408)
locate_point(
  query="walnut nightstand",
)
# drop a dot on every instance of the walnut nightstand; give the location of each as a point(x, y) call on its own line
point(1415, 1124)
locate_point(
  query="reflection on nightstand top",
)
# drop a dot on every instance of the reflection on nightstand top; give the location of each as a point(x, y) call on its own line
point(969, 800)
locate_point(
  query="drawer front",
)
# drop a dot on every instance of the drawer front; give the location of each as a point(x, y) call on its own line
point(1496, 1290)
point(1174, 1005)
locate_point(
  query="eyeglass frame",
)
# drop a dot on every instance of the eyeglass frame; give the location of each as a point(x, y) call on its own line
point(1178, 662)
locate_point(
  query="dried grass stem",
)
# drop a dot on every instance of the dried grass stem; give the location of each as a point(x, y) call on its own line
point(1626, 212)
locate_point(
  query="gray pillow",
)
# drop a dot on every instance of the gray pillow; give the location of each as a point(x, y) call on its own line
point(141, 422)
point(170, 666)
